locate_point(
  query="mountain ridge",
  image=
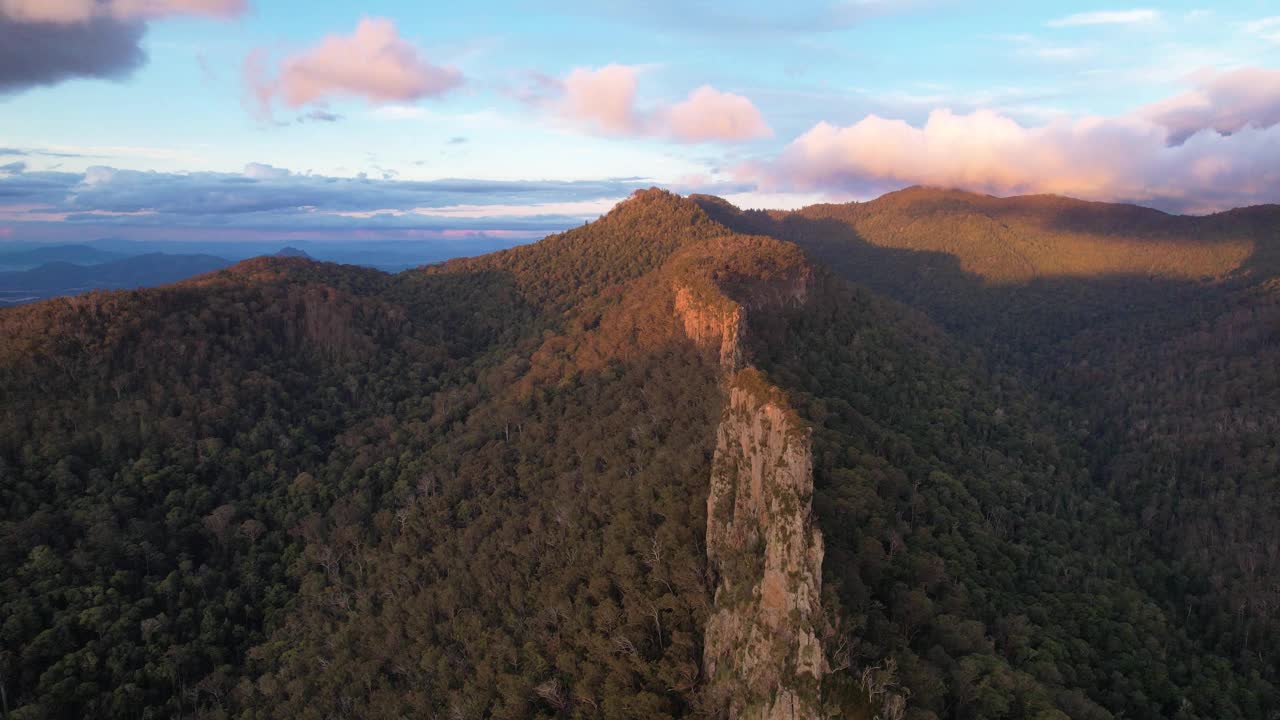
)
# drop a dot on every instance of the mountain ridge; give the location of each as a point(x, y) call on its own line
point(650, 467)
point(1041, 236)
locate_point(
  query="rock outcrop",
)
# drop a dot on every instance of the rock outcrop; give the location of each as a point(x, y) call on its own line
point(762, 658)
point(717, 325)
point(761, 651)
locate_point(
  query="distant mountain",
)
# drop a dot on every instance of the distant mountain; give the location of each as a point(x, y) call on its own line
point(386, 255)
point(1006, 241)
point(63, 278)
point(293, 252)
point(77, 254)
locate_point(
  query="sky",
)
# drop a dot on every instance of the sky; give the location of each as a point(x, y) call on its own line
point(399, 119)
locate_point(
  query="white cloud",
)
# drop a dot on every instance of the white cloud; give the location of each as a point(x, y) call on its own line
point(262, 171)
point(1033, 47)
point(1107, 17)
point(1265, 28)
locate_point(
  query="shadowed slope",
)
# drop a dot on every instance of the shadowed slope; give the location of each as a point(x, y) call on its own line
point(1016, 240)
point(1166, 376)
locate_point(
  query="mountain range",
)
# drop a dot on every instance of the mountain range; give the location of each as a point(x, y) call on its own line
point(57, 278)
point(34, 257)
point(937, 455)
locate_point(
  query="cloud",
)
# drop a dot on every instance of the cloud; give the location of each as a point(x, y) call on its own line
point(44, 42)
point(401, 112)
point(751, 19)
point(1126, 159)
point(36, 188)
point(603, 101)
point(262, 171)
point(1107, 17)
point(266, 196)
point(709, 114)
point(38, 151)
point(1266, 28)
point(13, 168)
point(319, 115)
point(76, 11)
point(1027, 45)
point(33, 54)
point(373, 63)
point(1222, 102)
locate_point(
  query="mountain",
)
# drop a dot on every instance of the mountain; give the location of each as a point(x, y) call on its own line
point(292, 252)
point(76, 254)
point(1153, 340)
point(386, 255)
point(63, 278)
point(666, 464)
point(1050, 263)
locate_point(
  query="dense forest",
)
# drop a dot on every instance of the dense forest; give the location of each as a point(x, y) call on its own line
point(1041, 435)
point(1152, 342)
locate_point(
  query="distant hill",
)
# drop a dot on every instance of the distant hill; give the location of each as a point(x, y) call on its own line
point(386, 255)
point(1000, 270)
point(53, 279)
point(1005, 241)
point(77, 254)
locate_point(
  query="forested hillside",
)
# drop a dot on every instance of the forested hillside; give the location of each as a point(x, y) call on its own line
point(663, 465)
point(1154, 340)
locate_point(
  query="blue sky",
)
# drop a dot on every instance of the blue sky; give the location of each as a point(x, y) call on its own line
point(811, 101)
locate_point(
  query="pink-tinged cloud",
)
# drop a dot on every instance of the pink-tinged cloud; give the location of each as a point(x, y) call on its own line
point(603, 101)
point(152, 9)
point(709, 114)
point(1221, 102)
point(1119, 159)
point(373, 63)
point(53, 11)
point(78, 11)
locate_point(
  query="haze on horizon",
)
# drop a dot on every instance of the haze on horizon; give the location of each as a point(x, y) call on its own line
point(286, 121)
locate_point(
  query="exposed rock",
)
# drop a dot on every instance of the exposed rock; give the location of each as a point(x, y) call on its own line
point(761, 653)
point(712, 324)
point(714, 320)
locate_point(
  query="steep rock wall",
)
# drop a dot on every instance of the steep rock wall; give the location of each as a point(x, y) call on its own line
point(762, 659)
point(761, 652)
point(716, 325)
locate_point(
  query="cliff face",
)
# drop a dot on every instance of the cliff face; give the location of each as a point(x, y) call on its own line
point(762, 659)
point(715, 325)
point(712, 319)
point(761, 652)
